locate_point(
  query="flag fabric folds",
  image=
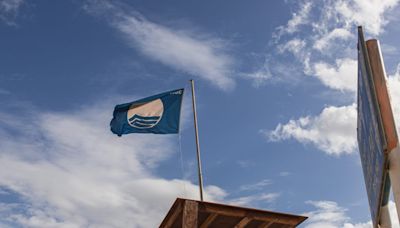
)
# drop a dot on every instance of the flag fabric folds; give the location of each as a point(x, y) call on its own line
point(158, 114)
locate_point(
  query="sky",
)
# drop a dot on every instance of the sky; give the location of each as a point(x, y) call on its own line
point(276, 99)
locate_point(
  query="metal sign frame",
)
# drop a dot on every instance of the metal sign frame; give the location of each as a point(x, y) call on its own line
point(370, 133)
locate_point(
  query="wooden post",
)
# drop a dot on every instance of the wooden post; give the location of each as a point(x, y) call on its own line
point(189, 216)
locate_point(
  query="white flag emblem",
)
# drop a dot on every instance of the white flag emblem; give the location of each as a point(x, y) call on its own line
point(145, 115)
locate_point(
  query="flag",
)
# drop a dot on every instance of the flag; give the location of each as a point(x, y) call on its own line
point(158, 114)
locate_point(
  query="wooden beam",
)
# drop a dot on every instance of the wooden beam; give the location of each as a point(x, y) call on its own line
point(171, 219)
point(209, 212)
point(266, 224)
point(235, 212)
point(190, 211)
point(242, 223)
point(209, 220)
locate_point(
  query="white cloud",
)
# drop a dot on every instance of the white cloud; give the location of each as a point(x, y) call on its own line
point(342, 76)
point(10, 5)
point(294, 46)
point(254, 199)
point(256, 186)
point(332, 131)
point(330, 215)
point(196, 54)
point(298, 18)
point(393, 82)
point(389, 50)
point(327, 214)
point(359, 225)
point(285, 173)
point(259, 77)
point(9, 10)
point(336, 34)
point(321, 35)
point(322, 44)
point(4, 92)
point(258, 196)
point(69, 170)
point(245, 163)
point(367, 13)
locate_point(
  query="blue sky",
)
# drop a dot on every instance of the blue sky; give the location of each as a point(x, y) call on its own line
point(275, 84)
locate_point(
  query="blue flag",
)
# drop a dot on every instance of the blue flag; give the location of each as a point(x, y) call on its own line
point(158, 114)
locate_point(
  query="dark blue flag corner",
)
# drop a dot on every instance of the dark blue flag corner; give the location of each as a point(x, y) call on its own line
point(158, 114)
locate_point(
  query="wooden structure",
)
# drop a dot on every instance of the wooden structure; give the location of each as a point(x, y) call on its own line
point(186, 213)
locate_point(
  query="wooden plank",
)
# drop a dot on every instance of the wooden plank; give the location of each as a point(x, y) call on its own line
point(242, 223)
point(266, 224)
point(170, 219)
point(209, 220)
point(238, 212)
point(210, 213)
point(190, 212)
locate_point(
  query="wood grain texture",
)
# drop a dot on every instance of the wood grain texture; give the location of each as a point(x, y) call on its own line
point(190, 214)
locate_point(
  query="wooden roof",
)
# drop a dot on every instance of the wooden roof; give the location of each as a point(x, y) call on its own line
point(186, 213)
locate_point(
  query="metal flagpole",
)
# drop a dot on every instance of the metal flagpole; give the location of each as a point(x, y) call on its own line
point(197, 141)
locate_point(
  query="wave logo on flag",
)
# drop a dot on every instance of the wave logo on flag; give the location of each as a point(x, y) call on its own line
point(145, 115)
point(158, 114)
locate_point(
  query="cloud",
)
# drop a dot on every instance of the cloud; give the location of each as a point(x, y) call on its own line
point(335, 34)
point(68, 170)
point(9, 10)
point(332, 131)
point(341, 76)
point(389, 50)
point(256, 186)
point(4, 92)
point(294, 46)
point(258, 197)
point(330, 215)
point(254, 199)
point(393, 83)
point(327, 214)
point(259, 77)
point(320, 40)
point(298, 18)
point(285, 173)
point(368, 13)
point(196, 54)
point(245, 163)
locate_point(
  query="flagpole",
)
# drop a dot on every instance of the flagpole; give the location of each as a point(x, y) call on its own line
point(197, 141)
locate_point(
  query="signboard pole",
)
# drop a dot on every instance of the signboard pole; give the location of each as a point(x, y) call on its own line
point(394, 173)
point(384, 220)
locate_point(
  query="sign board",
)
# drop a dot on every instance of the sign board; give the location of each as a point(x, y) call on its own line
point(370, 134)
